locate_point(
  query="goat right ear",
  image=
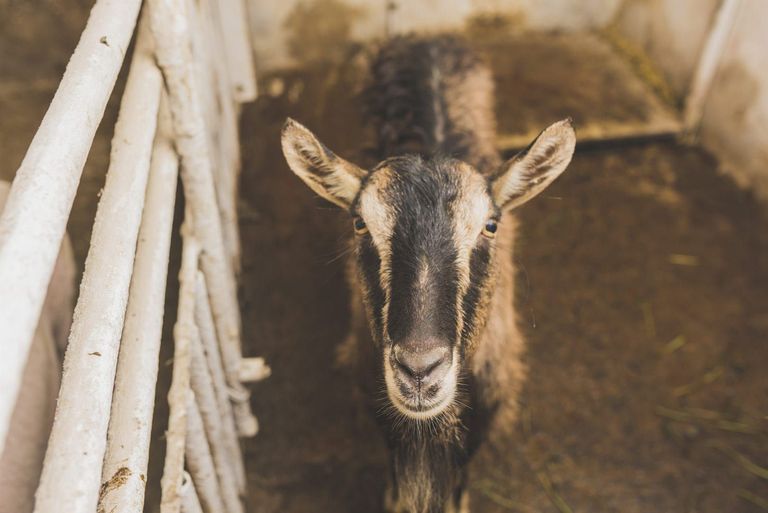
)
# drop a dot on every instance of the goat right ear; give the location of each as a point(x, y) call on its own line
point(330, 176)
point(531, 171)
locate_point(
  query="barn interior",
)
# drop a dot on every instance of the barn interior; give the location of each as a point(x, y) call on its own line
point(642, 273)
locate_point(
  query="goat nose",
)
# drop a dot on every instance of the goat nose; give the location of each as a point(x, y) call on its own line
point(429, 365)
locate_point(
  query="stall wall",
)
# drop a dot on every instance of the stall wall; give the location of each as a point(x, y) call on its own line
point(672, 33)
point(279, 26)
point(736, 110)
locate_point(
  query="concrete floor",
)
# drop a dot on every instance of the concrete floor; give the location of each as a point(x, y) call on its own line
point(643, 291)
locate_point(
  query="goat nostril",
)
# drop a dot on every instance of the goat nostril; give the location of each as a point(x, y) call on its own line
point(420, 365)
point(405, 369)
point(428, 370)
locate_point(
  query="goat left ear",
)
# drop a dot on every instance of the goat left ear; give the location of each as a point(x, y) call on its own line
point(330, 176)
point(528, 173)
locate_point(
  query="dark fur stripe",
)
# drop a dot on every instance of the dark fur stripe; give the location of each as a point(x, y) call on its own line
point(370, 263)
point(479, 264)
point(405, 100)
point(423, 232)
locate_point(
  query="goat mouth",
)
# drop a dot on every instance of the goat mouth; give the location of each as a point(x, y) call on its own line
point(420, 410)
point(414, 406)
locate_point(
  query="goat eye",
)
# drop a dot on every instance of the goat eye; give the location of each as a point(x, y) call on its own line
point(489, 230)
point(360, 227)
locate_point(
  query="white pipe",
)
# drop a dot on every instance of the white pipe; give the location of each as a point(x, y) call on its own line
point(217, 103)
point(207, 405)
point(708, 64)
point(170, 26)
point(228, 156)
point(205, 81)
point(200, 462)
point(204, 320)
point(33, 222)
point(190, 503)
point(183, 333)
point(133, 399)
point(73, 462)
point(254, 369)
point(233, 17)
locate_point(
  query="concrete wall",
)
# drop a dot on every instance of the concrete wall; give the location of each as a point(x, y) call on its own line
point(281, 27)
point(672, 33)
point(735, 124)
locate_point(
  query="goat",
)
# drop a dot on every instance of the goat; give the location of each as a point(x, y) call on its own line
point(433, 335)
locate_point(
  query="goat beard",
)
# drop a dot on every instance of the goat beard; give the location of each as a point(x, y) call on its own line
point(427, 457)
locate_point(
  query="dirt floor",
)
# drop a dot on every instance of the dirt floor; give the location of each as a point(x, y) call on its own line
point(643, 291)
point(643, 279)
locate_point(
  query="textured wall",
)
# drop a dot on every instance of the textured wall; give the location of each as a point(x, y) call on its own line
point(279, 25)
point(671, 32)
point(736, 110)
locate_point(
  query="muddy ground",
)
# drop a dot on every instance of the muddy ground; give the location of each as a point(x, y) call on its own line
point(643, 292)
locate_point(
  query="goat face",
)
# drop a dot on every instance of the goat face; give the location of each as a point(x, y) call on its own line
point(425, 241)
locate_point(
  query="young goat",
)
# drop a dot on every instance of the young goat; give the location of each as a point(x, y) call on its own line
point(433, 330)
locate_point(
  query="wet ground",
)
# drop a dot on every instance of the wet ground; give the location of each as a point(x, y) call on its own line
point(643, 291)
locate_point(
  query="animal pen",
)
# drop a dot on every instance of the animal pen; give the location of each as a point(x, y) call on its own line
point(178, 118)
point(641, 274)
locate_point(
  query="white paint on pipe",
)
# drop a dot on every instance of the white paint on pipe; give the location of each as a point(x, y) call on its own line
point(183, 333)
point(33, 222)
point(205, 397)
point(133, 399)
point(254, 369)
point(21, 460)
point(200, 462)
point(233, 17)
point(709, 63)
point(170, 26)
point(204, 320)
point(73, 462)
point(225, 135)
point(190, 503)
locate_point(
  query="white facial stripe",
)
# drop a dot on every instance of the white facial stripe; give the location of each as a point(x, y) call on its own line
point(378, 216)
point(473, 208)
point(380, 220)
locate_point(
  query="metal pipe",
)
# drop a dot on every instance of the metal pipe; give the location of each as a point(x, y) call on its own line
point(170, 26)
point(204, 320)
point(708, 64)
point(133, 399)
point(73, 462)
point(254, 369)
point(233, 17)
point(200, 461)
point(33, 222)
point(190, 503)
point(226, 135)
point(183, 333)
point(205, 396)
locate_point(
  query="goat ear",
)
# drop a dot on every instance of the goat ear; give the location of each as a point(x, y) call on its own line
point(529, 172)
point(330, 176)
